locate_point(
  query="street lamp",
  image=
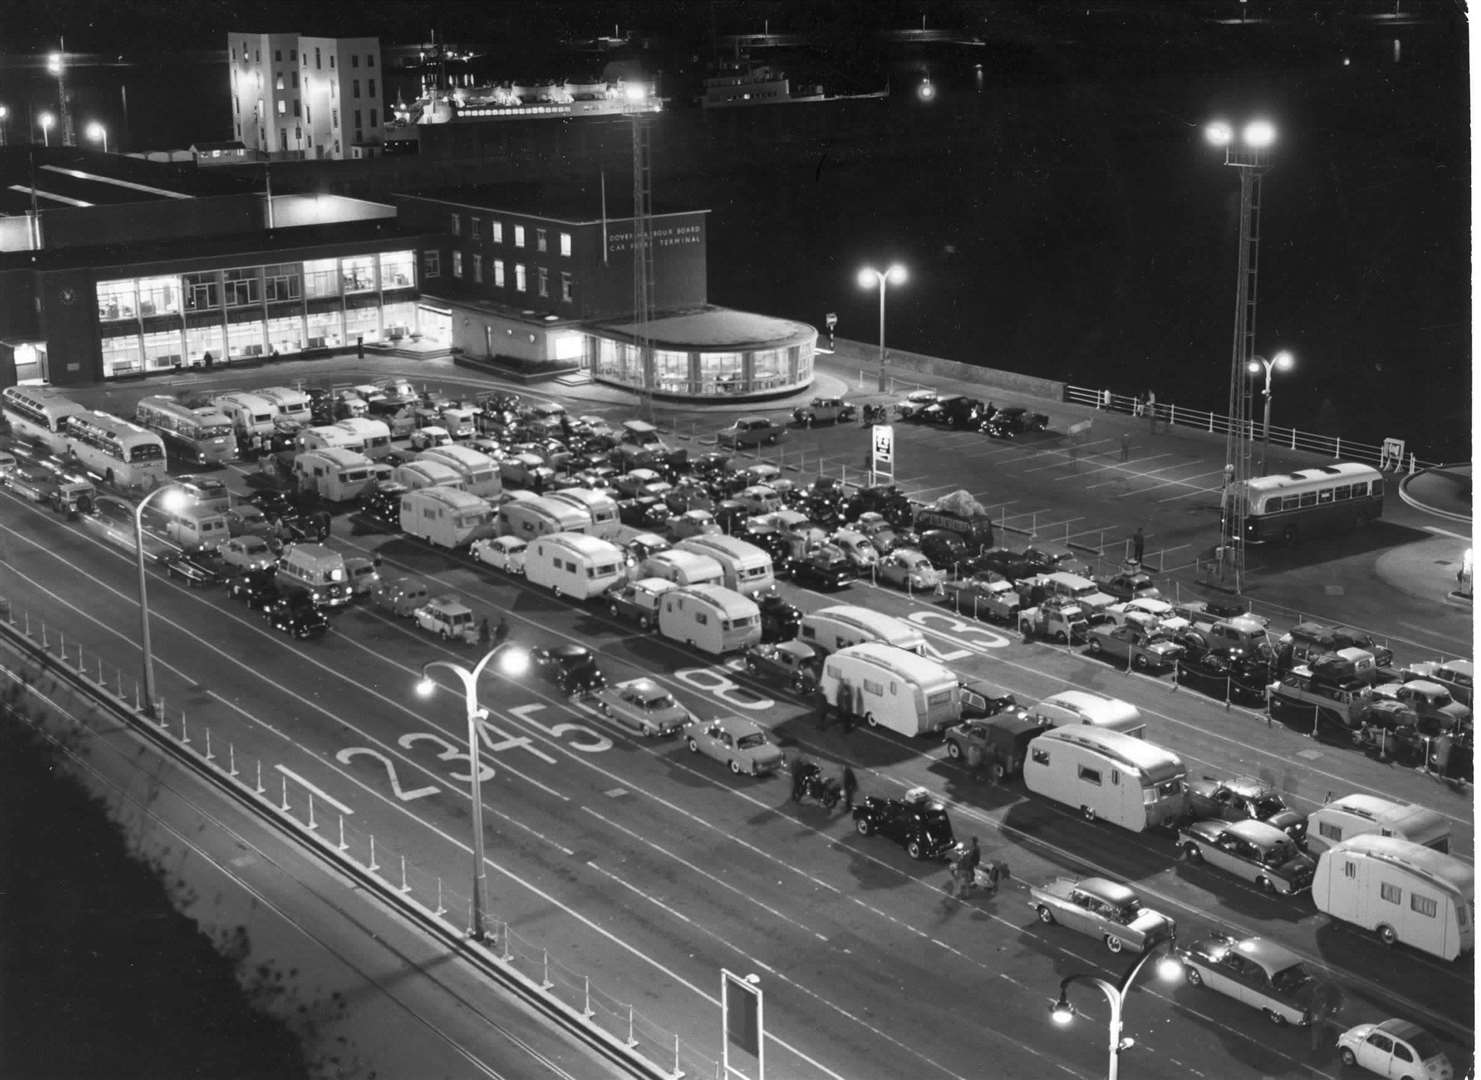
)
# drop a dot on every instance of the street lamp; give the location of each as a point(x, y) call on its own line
point(46, 120)
point(173, 496)
point(1281, 361)
point(515, 662)
point(4, 116)
point(1168, 969)
point(98, 133)
point(870, 276)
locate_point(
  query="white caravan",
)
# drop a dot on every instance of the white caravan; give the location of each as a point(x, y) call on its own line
point(1106, 774)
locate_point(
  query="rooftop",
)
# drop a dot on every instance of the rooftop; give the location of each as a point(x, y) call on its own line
point(70, 176)
point(565, 201)
point(716, 327)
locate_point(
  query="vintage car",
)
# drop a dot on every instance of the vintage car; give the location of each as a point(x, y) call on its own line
point(914, 403)
point(945, 549)
point(1394, 1048)
point(245, 553)
point(506, 553)
point(295, 617)
point(750, 431)
point(821, 410)
point(256, 589)
point(636, 482)
point(1103, 909)
point(693, 523)
point(1239, 679)
point(644, 706)
point(889, 501)
point(916, 821)
point(644, 512)
point(572, 669)
point(196, 569)
point(690, 496)
point(779, 619)
point(1129, 585)
point(1250, 850)
point(244, 519)
point(424, 438)
point(759, 499)
point(1013, 421)
point(741, 745)
point(1134, 645)
point(856, 548)
point(953, 410)
point(1255, 971)
point(449, 618)
point(1148, 611)
point(34, 482)
point(907, 568)
point(826, 570)
point(1244, 798)
point(983, 597)
point(638, 600)
point(789, 662)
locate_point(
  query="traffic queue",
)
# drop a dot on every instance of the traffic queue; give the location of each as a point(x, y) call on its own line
point(691, 546)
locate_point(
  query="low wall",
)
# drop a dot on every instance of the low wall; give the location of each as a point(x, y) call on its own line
point(898, 362)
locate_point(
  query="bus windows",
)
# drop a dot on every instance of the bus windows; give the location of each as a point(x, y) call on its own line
point(1341, 494)
point(1324, 496)
point(1308, 498)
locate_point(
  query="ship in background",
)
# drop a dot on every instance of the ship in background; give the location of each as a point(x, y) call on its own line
point(741, 85)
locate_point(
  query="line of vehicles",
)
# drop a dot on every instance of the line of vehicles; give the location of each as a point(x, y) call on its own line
point(1361, 861)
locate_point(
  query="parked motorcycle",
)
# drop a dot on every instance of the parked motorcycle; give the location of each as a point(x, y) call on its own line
point(810, 783)
point(875, 414)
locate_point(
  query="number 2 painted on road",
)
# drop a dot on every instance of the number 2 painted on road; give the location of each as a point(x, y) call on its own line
point(346, 755)
point(449, 753)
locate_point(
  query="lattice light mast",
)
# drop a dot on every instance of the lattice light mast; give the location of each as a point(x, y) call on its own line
point(643, 276)
point(1247, 150)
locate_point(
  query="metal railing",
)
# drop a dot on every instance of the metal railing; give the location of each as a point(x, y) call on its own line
point(1333, 446)
point(418, 892)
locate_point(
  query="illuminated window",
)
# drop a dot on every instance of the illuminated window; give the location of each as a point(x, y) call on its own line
point(457, 225)
point(519, 236)
point(278, 83)
point(565, 287)
point(282, 107)
point(498, 273)
point(519, 277)
point(431, 264)
point(457, 264)
point(498, 231)
point(566, 244)
point(541, 243)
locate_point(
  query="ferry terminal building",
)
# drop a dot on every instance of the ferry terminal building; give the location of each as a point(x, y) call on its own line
point(114, 267)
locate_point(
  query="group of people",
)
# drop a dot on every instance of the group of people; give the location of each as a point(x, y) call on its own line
point(497, 635)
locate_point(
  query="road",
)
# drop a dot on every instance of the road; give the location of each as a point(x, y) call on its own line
point(650, 869)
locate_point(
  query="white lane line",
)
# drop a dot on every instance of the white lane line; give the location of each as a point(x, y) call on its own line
point(291, 775)
point(1446, 532)
point(1132, 475)
point(1182, 481)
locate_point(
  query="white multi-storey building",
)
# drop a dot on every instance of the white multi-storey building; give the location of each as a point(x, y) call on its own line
point(313, 97)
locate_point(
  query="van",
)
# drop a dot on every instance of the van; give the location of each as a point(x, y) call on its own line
point(574, 564)
point(535, 515)
point(364, 576)
point(445, 516)
point(194, 528)
point(316, 570)
point(290, 403)
point(479, 471)
point(747, 568)
point(1083, 707)
point(710, 618)
point(682, 568)
point(1081, 590)
point(336, 474)
point(606, 524)
point(373, 436)
point(888, 687)
point(1359, 815)
point(249, 414)
point(1108, 775)
point(205, 493)
point(420, 474)
point(1403, 891)
point(841, 625)
point(319, 437)
point(400, 596)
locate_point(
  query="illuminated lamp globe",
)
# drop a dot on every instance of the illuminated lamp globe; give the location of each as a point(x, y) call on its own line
point(425, 687)
point(1219, 133)
point(514, 662)
point(1061, 1012)
point(1258, 134)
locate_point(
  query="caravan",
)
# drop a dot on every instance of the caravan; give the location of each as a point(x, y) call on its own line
point(1358, 815)
point(889, 687)
point(709, 618)
point(337, 475)
point(747, 568)
point(249, 415)
point(601, 508)
point(832, 628)
point(682, 568)
point(1108, 774)
point(291, 404)
point(535, 515)
point(574, 564)
point(480, 474)
point(446, 516)
point(420, 474)
point(1405, 892)
point(326, 435)
point(1083, 707)
point(371, 437)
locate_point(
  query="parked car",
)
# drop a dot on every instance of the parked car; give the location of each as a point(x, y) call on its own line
point(424, 438)
point(823, 570)
point(247, 553)
point(983, 597)
point(1129, 585)
point(953, 410)
point(1394, 1048)
point(449, 618)
point(1007, 563)
point(821, 410)
point(916, 821)
point(196, 569)
point(913, 403)
point(33, 482)
point(506, 553)
point(741, 745)
point(1129, 643)
point(1250, 850)
point(643, 706)
point(1013, 421)
point(1242, 679)
point(751, 431)
point(759, 499)
point(1255, 971)
point(256, 589)
point(295, 617)
point(889, 501)
point(1244, 798)
point(945, 549)
point(244, 519)
point(779, 619)
point(907, 568)
point(790, 662)
point(571, 668)
point(644, 512)
point(1102, 909)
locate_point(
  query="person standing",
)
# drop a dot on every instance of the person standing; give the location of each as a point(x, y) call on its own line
point(801, 769)
point(1126, 446)
point(847, 697)
point(966, 866)
point(850, 785)
point(1138, 546)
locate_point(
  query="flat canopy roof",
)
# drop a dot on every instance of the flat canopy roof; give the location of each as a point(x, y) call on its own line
point(718, 328)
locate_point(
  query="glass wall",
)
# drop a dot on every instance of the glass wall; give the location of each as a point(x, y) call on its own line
point(321, 278)
point(282, 281)
point(244, 340)
point(358, 273)
point(242, 286)
point(203, 291)
point(164, 349)
point(159, 296)
point(671, 371)
point(121, 355)
point(400, 319)
point(325, 329)
point(704, 374)
point(398, 269)
point(720, 373)
point(200, 340)
point(364, 323)
point(117, 300)
point(285, 334)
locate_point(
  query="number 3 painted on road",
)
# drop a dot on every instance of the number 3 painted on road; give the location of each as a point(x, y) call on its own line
point(449, 753)
point(716, 683)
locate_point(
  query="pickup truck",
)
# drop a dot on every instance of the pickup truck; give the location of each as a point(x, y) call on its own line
point(1054, 619)
point(449, 618)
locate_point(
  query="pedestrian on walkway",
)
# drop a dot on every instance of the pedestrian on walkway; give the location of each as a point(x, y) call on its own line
point(1138, 545)
point(484, 634)
point(846, 706)
point(1126, 446)
point(850, 785)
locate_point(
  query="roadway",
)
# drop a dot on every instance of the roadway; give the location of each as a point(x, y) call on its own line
point(650, 869)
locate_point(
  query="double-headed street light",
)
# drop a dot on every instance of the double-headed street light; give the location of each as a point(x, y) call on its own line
point(98, 133)
point(1168, 969)
point(1281, 361)
point(870, 276)
point(173, 495)
point(514, 663)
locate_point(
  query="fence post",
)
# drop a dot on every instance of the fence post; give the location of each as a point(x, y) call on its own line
point(1337, 453)
point(231, 758)
point(79, 657)
point(62, 645)
point(260, 789)
point(43, 637)
point(586, 1008)
point(209, 756)
point(312, 823)
point(1293, 438)
point(374, 866)
point(284, 806)
point(630, 1040)
point(405, 888)
point(545, 983)
point(184, 731)
point(1210, 423)
point(343, 846)
point(100, 670)
point(441, 911)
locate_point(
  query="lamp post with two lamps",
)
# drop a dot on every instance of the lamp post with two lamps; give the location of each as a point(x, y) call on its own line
point(173, 495)
point(514, 663)
point(1168, 969)
point(868, 276)
point(1281, 361)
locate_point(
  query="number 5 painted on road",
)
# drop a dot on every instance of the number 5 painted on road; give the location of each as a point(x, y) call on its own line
point(596, 745)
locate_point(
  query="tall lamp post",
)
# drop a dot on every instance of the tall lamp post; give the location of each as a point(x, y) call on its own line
point(1281, 361)
point(868, 277)
point(1168, 969)
point(516, 661)
point(46, 120)
point(98, 133)
point(56, 63)
point(4, 117)
point(1247, 150)
point(173, 495)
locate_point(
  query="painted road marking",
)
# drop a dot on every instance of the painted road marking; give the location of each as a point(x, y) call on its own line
point(291, 775)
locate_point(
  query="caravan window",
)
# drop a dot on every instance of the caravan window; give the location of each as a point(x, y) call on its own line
point(1392, 893)
point(1041, 757)
point(570, 567)
point(1090, 776)
point(1350, 869)
point(1425, 905)
point(874, 688)
point(701, 618)
point(1328, 831)
point(894, 688)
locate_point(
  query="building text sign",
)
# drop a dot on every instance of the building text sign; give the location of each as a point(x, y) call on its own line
point(660, 235)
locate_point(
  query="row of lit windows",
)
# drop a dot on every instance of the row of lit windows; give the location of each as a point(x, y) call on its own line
point(432, 267)
point(496, 234)
point(293, 57)
point(706, 373)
